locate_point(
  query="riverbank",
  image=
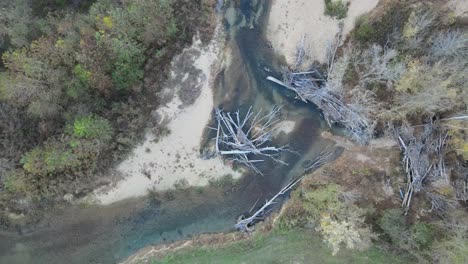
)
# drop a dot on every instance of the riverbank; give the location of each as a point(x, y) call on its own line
point(367, 169)
point(292, 246)
point(166, 161)
point(289, 21)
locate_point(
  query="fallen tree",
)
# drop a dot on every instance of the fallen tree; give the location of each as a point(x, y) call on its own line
point(324, 89)
point(244, 139)
point(423, 159)
point(246, 224)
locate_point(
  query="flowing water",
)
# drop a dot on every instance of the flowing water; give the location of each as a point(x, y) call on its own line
point(108, 234)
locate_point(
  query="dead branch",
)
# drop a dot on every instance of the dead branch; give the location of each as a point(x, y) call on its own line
point(324, 156)
point(350, 196)
point(439, 202)
point(242, 139)
point(423, 157)
point(377, 64)
point(247, 224)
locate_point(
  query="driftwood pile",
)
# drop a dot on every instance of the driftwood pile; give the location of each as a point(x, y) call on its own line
point(423, 160)
point(316, 86)
point(245, 139)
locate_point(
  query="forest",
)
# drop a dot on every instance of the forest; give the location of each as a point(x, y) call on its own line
point(77, 86)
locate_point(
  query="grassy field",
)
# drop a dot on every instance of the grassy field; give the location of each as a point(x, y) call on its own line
point(295, 246)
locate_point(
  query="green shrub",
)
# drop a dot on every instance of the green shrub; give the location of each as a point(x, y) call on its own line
point(76, 90)
point(92, 127)
point(128, 66)
point(325, 199)
point(393, 224)
point(3, 77)
point(422, 234)
point(49, 160)
point(172, 30)
point(294, 215)
point(82, 74)
point(336, 8)
point(410, 238)
point(15, 182)
point(364, 29)
point(308, 204)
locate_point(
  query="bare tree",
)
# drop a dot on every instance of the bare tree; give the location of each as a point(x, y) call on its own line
point(244, 139)
point(377, 64)
point(449, 44)
point(418, 27)
point(429, 89)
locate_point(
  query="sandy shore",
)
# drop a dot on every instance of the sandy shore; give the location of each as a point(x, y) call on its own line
point(175, 158)
point(290, 20)
point(460, 7)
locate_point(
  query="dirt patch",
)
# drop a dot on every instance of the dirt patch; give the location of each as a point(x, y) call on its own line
point(371, 171)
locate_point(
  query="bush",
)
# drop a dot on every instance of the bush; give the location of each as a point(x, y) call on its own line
point(364, 31)
point(336, 8)
point(128, 65)
point(92, 127)
point(459, 137)
point(393, 224)
point(15, 182)
point(49, 160)
point(294, 215)
point(340, 223)
point(418, 25)
point(82, 74)
point(410, 238)
point(337, 233)
point(325, 199)
point(17, 24)
point(422, 234)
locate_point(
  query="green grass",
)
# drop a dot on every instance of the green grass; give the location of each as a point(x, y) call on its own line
point(294, 246)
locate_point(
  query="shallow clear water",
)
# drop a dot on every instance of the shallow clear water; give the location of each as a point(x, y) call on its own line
point(109, 234)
